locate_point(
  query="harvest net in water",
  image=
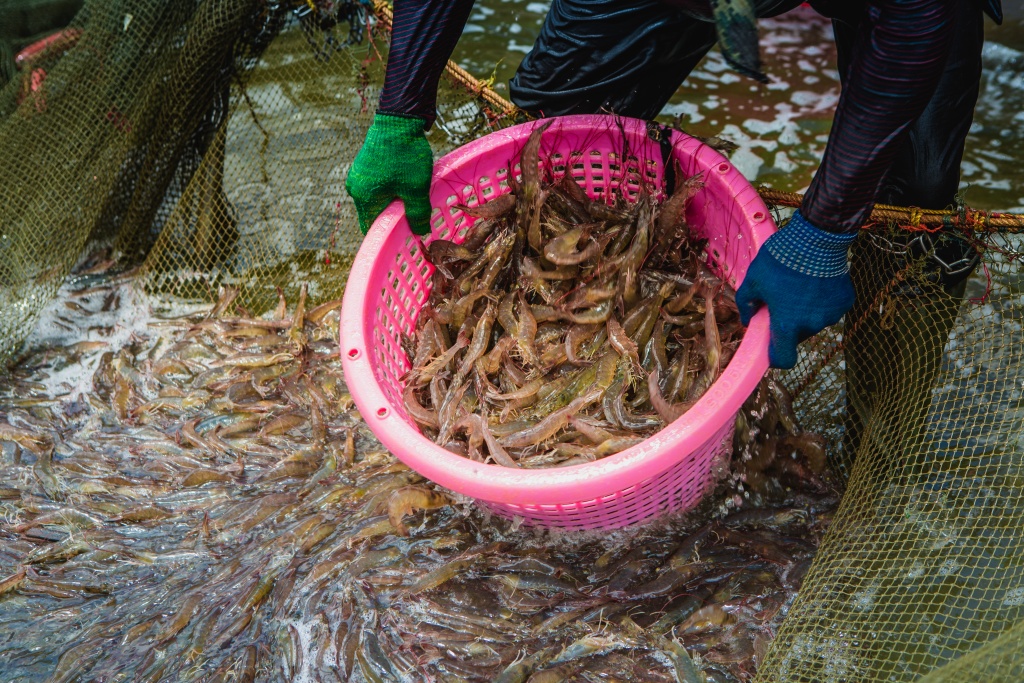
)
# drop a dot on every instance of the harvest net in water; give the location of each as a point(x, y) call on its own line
point(196, 141)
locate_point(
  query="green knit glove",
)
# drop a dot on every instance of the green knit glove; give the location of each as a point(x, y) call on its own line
point(395, 161)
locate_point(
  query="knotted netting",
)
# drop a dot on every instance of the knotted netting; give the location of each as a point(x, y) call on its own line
point(195, 140)
point(206, 143)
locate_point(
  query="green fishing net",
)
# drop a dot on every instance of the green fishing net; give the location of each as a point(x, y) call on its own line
point(206, 143)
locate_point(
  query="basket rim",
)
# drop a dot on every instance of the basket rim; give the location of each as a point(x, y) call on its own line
point(557, 485)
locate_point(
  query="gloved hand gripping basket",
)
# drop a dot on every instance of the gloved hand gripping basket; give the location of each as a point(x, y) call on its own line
point(390, 281)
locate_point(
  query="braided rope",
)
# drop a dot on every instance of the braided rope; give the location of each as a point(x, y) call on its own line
point(916, 219)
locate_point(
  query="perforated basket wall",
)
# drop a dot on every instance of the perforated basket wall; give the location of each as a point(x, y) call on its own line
point(680, 487)
point(391, 280)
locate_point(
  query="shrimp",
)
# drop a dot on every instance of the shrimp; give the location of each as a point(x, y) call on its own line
point(621, 342)
point(496, 451)
point(531, 196)
point(528, 390)
point(630, 421)
point(490, 362)
point(533, 271)
point(449, 407)
point(551, 424)
point(686, 670)
point(811, 446)
point(471, 424)
point(506, 314)
point(641, 330)
point(202, 476)
point(562, 249)
point(616, 444)
point(589, 295)
point(35, 443)
point(591, 316)
point(590, 431)
point(671, 221)
point(519, 670)
point(439, 576)
point(427, 418)
point(565, 204)
point(680, 383)
point(494, 208)
point(463, 308)
point(680, 320)
point(516, 376)
point(714, 355)
point(463, 284)
point(576, 335)
point(433, 367)
point(408, 499)
point(12, 582)
point(669, 412)
point(426, 346)
point(552, 356)
point(635, 254)
point(497, 258)
point(180, 619)
point(318, 313)
point(527, 333)
point(442, 253)
point(478, 345)
point(543, 314)
point(656, 347)
point(480, 432)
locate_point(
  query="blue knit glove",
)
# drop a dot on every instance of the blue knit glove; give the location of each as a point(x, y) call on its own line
point(801, 273)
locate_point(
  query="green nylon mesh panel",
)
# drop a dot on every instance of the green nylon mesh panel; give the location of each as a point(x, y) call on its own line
point(188, 138)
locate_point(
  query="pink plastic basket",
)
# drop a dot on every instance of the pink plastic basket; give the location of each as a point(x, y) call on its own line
point(390, 281)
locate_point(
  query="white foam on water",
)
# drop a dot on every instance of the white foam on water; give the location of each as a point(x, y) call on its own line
point(1014, 597)
point(689, 112)
point(810, 101)
point(783, 163)
point(72, 317)
point(311, 650)
point(864, 600)
point(58, 325)
point(1001, 54)
point(950, 567)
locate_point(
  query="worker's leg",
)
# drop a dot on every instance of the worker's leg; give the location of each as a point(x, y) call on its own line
point(620, 56)
point(617, 56)
point(909, 289)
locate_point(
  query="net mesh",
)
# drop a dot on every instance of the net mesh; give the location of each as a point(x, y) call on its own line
point(202, 143)
point(922, 563)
